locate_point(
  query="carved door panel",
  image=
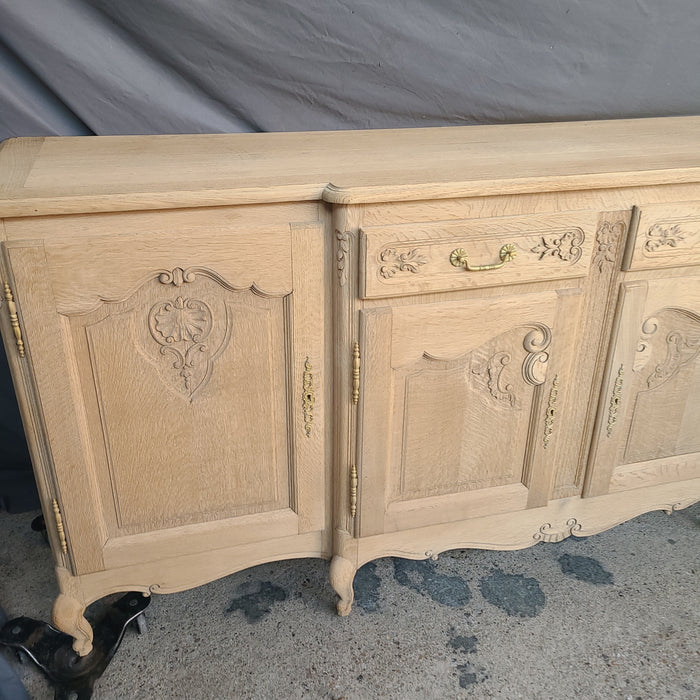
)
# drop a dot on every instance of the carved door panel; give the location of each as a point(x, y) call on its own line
point(648, 428)
point(177, 379)
point(459, 406)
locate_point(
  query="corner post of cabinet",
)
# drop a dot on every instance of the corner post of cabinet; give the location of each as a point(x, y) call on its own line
point(345, 232)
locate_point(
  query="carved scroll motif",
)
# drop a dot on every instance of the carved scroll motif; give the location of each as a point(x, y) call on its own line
point(607, 237)
point(682, 344)
point(680, 350)
point(565, 246)
point(547, 533)
point(394, 261)
point(535, 364)
point(494, 369)
point(177, 276)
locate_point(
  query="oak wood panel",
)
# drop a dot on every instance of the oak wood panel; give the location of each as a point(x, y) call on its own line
point(50, 355)
point(106, 257)
point(189, 391)
point(487, 207)
point(147, 172)
point(668, 235)
point(649, 414)
point(580, 401)
point(434, 375)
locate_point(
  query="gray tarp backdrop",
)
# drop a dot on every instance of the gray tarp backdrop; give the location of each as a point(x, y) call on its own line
point(174, 66)
point(187, 66)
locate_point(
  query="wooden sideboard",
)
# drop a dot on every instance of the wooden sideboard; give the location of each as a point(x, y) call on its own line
point(233, 349)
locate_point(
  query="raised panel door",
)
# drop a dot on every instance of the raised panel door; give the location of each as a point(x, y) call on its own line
point(648, 427)
point(459, 407)
point(177, 378)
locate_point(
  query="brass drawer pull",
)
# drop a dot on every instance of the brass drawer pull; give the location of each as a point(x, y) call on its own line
point(458, 258)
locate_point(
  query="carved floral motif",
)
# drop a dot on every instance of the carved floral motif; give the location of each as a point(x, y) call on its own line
point(565, 246)
point(661, 236)
point(341, 255)
point(607, 237)
point(408, 261)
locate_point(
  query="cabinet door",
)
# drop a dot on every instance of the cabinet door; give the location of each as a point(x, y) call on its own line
point(648, 428)
point(176, 358)
point(458, 406)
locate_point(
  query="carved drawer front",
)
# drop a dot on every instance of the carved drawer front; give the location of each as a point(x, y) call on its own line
point(668, 235)
point(438, 256)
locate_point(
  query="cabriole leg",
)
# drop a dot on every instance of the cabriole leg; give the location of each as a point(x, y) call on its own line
point(342, 574)
point(68, 617)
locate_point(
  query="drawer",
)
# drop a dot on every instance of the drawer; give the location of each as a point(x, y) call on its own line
point(439, 256)
point(668, 235)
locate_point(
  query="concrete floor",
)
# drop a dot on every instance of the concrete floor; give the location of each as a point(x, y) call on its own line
point(611, 616)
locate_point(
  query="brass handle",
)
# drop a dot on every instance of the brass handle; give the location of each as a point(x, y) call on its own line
point(458, 258)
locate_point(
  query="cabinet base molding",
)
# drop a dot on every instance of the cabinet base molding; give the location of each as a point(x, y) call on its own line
point(181, 573)
point(577, 517)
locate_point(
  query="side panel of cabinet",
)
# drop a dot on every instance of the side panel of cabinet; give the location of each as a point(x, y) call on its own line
point(176, 366)
point(648, 428)
point(459, 407)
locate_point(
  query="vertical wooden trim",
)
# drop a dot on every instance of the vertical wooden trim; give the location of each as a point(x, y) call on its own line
point(346, 222)
point(631, 240)
point(32, 421)
point(307, 367)
point(543, 457)
point(606, 450)
point(62, 407)
point(580, 401)
point(376, 411)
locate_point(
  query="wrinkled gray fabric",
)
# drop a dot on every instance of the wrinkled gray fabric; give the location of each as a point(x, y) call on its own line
point(172, 66)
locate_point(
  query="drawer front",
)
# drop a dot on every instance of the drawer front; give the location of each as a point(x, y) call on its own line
point(668, 235)
point(438, 256)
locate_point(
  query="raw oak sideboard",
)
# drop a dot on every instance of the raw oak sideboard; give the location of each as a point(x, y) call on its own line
point(234, 349)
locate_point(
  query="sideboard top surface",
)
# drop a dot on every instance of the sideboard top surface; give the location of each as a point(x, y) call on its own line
point(60, 175)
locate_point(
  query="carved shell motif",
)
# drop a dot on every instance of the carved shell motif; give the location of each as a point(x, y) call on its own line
point(180, 327)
